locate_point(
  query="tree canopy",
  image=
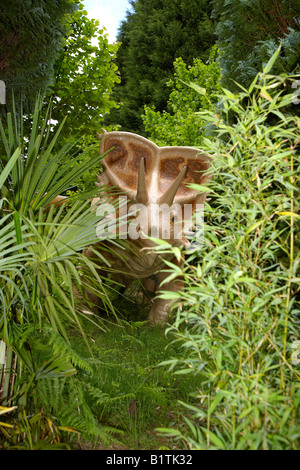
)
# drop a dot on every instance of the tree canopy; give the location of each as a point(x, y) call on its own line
point(84, 76)
point(51, 48)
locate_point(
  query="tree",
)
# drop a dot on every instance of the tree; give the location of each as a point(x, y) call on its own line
point(31, 33)
point(84, 76)
point(78, 72)
point(249, 33)
point(152, 36)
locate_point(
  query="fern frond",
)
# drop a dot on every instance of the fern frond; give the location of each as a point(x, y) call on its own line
point(102, 398)
point(61, 347)
point(66, 398)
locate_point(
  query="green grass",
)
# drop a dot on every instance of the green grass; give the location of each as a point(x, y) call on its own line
point(129, 372)
point(126, 391)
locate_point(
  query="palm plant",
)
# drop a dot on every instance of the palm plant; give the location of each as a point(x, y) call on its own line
point(40, 250)
point(35, 176)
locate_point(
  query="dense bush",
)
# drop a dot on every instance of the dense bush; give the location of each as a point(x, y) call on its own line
point(180, 125)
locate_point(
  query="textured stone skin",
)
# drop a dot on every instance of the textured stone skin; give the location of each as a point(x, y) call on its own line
point(149, 181)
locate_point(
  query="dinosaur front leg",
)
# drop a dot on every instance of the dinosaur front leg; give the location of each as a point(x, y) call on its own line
point(160, 309)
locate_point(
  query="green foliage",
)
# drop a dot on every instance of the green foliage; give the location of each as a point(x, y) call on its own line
point(53, 239)
point(117, 396)
point(84, 75)
point(152, 36)
point(249, 32)
point(38, 432)
point(127, 392)
point(68, 400)
point(181, 126)
point(41, 250)
point(239, 316)
point(31, 34)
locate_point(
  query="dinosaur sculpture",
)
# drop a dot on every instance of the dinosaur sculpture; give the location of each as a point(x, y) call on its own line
point(150, 176)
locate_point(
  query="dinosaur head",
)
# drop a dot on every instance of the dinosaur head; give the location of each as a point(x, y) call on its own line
point(155, 181)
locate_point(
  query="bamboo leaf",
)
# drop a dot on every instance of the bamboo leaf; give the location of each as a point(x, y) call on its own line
point(271, 61)
point(289, 214)
point(5, 409)
point(214, 439)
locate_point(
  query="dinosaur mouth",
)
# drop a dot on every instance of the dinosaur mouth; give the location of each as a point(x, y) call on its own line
point(147, 264)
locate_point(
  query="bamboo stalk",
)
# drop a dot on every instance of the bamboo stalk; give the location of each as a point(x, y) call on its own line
point(285, 334)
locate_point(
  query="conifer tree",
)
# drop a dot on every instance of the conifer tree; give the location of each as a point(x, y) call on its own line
point(31, 33)
point(249, 32)
point(153, 35)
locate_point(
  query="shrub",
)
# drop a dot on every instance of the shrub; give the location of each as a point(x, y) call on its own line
point(240, 309)
point(180, 125)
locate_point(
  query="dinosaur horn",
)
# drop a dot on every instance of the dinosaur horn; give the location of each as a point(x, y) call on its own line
point(98, 183)
point(101, 135)
point(142, 193)
point(168, 196)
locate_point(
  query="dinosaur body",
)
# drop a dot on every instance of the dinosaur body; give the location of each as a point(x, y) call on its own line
point(151, 178)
